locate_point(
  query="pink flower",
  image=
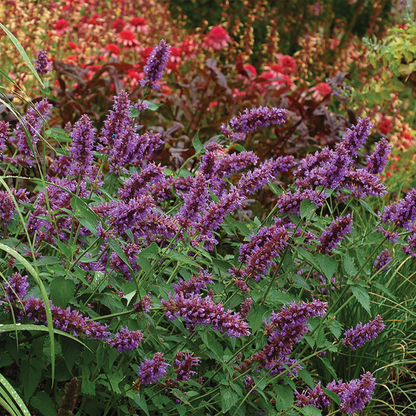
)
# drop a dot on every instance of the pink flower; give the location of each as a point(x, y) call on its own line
point(138, 24)
point(217, 38)
point(175, 58)
point(61, 26)
point(320, 90)
point(112, 49)
point(250, 68)
point(287, 63)
point(128, 39)
point(384, 126)
point(189, 48)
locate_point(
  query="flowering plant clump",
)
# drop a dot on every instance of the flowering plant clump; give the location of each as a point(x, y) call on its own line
point(155, 288)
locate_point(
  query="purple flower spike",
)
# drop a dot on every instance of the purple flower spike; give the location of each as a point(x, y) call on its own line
point(155, 65)
point(378, 160)
point(144, 305)
point(358, 336)
point(83, 137)
point(401, 213)
point(383, 261)
point(356, 136)
point(315, 398)
point(182, 365)
point(256, 118)
point(333, 234)
point(193, 285)
point(355, 394)
point(7, 208)
point(16, 288)
point(43, 64)
point(4, 128)
point(126, 340)
point(152, 370)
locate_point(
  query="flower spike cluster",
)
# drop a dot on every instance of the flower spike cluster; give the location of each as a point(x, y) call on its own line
point(358, 336)
point(155, 66)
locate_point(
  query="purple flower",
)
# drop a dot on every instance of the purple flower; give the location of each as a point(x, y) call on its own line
point(142, 106)
point(193, 285)
point(250, 384)
point(401, 213)
point(155, 65)
point(356, 136)
point(16, 287)
point(126, 340)
point(137, 184)
point(382, 262)
point(4, 128)
point(289, 203)
point(268, 244)
point(83, 137)
point(126, 215)
point(252, 181)
point(246, 307)
point(363, 183)
point(144, 305)
point(378, 160)
point(204, 311)
point(33, 122)
point(286, 328)
point(358, 336)
point(152, 370)
point(333, 234)
point(315, 398)
point(256, 118)
point(410, 249)
point(61, 165)
point(182, 365)
point(355, 394)
point(216, 212)
point(7, 208)
point(194, 202)
point(43, 64)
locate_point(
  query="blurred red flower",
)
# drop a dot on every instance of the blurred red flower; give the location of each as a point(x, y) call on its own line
point(217, 38)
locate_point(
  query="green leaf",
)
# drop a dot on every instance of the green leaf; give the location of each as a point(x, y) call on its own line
point(329, 367)
point(349, 265)
point(22, 52)
point(306, 208)
point(255, 316)
point(139, 400)
point(285, 394)
point(134, 112)
point(10, 390)
point(196, 143)
point(275, 189)
point(362, 296)
point(308, 257)
point(44, 404)
point(336, 328)
point(181, 258)
point(328, 265)
point(310, 411)
point(332, 395)
point(88, 387)
point(299, 280)
point(62, 290)
point(151, 252)
point(221, 264)
point(306, 377)
point(228, 399)
point(208, 338)
point(30, 378)
point(239, 147)
point(367, 207)
point(152, 106)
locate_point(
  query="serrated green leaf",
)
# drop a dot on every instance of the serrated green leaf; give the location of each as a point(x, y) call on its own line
point(362, 296)
point(306, 208)
point(208, 338)
point(275, 189)
point(328, 265)
point(44, 404)
point(329, 367)
point(349, 265)
point(306, 377)
point(30, 378)
point(228, 399)
point(62, 290)
point(336, 328)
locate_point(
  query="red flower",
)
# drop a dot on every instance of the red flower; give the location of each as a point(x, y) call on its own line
point(320, 90)
point(384, 126)
point(217, 38)
point(61, 26)
point(145, 52)
point(251, 69)
point(72, 45)
point(118, 25)
point(113, 48)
